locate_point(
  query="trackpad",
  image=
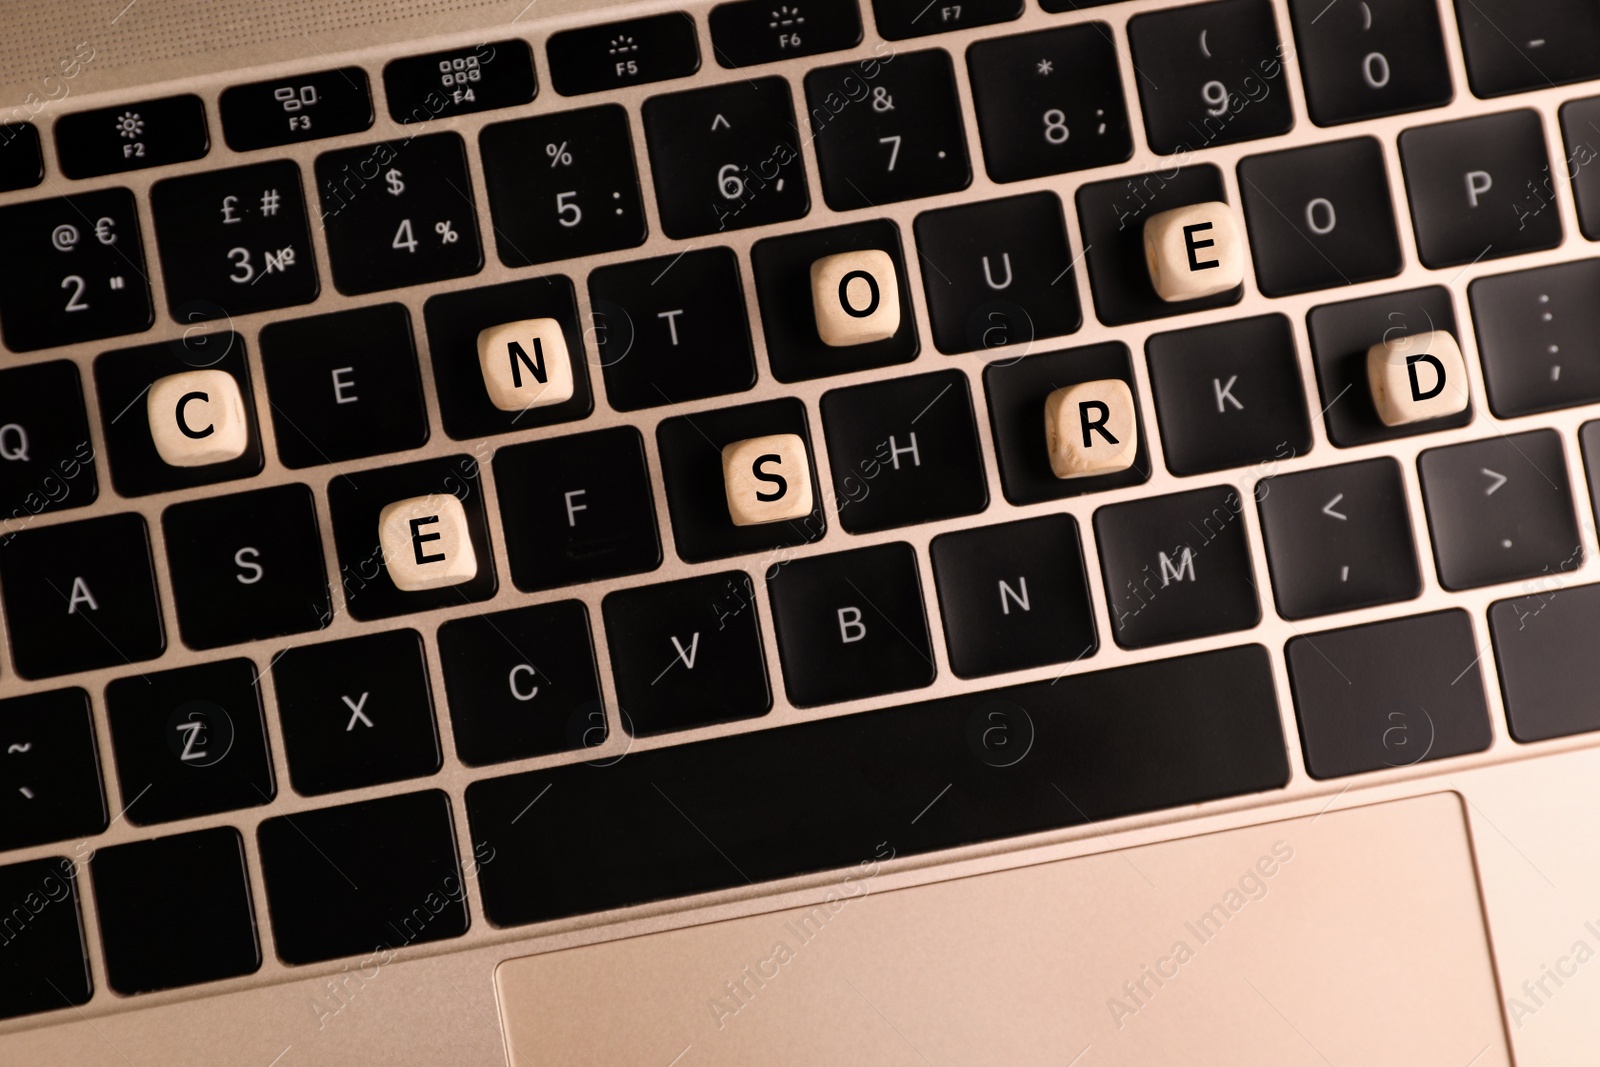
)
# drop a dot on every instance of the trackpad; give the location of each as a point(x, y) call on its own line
point(1354, 937)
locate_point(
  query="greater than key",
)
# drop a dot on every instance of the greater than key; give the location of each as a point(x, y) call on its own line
point(1417, 377)
point(525, 364)
point(1090, 428)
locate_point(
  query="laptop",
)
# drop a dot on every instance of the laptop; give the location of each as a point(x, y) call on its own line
point(904, 532)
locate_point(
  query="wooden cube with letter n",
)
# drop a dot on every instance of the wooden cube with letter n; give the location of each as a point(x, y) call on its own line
point(525, 364)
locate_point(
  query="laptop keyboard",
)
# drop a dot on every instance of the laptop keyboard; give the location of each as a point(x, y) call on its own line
point(419, 482)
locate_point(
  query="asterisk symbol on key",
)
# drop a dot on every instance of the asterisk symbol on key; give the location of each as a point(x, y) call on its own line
point(1045, 66)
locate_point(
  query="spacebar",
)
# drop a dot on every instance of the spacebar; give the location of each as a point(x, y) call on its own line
point(852, 789)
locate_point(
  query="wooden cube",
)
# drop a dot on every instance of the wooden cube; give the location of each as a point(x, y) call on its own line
point(1194, 251)
point(1091, 429)
point(1416, 377)
point(856, 297)
point(767, 479)
point(426, 544)
point(525, 364)
point(197, 418)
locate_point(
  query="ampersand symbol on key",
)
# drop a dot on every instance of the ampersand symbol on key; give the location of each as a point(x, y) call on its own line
point(881, 100)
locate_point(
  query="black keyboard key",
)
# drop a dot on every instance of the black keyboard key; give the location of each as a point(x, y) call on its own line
point(851, 624)
point(234, 241)
point(1388, 694)
point(150, 133)
point(904, 451)
point(725, 157)
point(355, 501)
point(1177, 567)
point(577, 509)
point(748, 32)
point(900, 19)
point(1339, 538)
point(1535, 335)
point(1480, 188)
point(894, 134)
point(1228, 395)
point(616, 54)
point(175, 911)
point(691, 472)
point(21, 161)
point(1341, 334)
point(995, 618)
point(123, 379)
point(1500, 509)
point(344, 385)
point(782, 266)
point(460, 81)
point(356, 712)
point(72, 269)
point(522, 683)
point(1112, 215)
point(1369, 60)
point(1211, 74)
point(687, 653)
point(1541, 45)
point(1543, 646)
point(80, 596)
point(47, 461)
point(300, 107)
point(247, 566)
point(339, 884)
point(49, 771)
point(1049, 102)
point(998, 273)
point(1319, 217)
point(1017, 389)
point(453, 321)
point(45, 965)
point(651, 313)
point(399, 213)
point(1580, 127)
point(190, 741)
point(1117, 742)
point(562, 185)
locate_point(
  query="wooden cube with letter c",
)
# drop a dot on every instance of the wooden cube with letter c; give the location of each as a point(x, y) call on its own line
point(197, 418)
point(768, 479)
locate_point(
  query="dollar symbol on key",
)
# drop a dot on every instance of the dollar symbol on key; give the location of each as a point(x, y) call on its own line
point(396, 186)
